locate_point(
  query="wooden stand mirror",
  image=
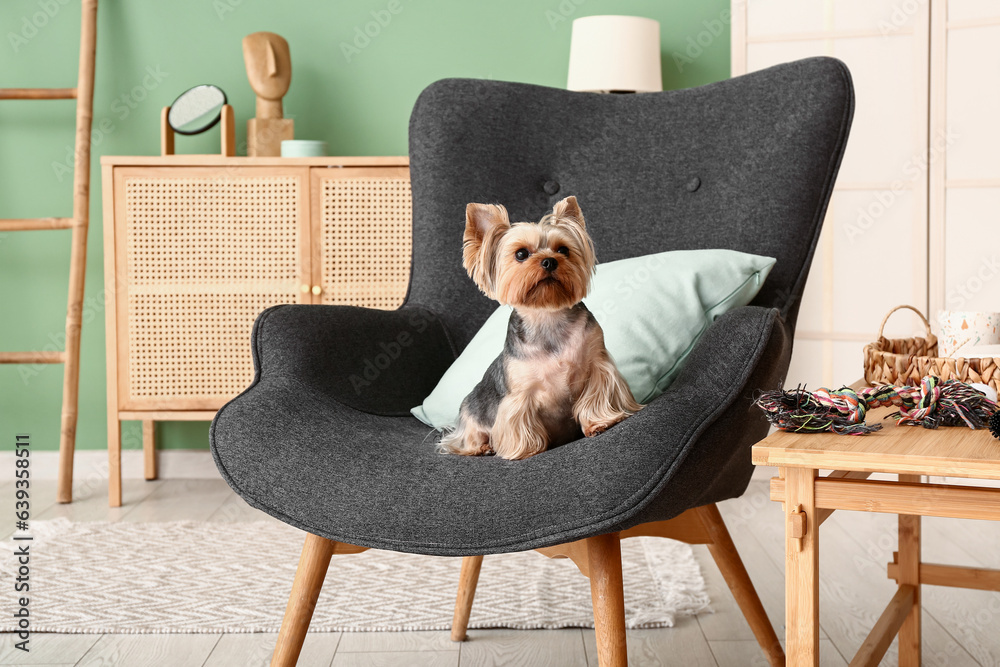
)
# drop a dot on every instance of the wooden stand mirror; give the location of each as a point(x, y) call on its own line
point(195, 111)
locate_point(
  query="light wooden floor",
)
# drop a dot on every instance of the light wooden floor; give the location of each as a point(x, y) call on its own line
point(960, 627)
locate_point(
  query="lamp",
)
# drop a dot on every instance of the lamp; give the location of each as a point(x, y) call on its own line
point(615, 54)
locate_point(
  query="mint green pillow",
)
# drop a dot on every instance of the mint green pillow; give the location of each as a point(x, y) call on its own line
point(653, 310)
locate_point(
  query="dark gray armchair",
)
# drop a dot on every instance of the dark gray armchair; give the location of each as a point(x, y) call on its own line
point(747, 164)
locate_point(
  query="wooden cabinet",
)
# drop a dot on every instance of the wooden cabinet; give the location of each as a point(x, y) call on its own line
point(197, 246)
point(361, 223)
point(198, 253)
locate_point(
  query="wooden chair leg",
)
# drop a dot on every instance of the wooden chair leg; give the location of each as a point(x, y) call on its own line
point(315, 559)
point(466, 592)
point(604, 556)
point(731, 565)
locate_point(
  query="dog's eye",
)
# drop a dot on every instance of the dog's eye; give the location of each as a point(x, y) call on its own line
point(521, 255)
point(562, 250)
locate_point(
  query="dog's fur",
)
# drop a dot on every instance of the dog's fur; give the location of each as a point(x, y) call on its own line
point(554, 379)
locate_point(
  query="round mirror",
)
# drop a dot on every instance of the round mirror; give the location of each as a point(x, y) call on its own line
point(196, 110)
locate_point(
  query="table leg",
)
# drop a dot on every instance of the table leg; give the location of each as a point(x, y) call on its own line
point(909, 573)
point(801, 568)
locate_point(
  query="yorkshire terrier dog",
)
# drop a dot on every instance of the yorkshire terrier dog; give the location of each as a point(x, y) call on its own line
point(554, 379)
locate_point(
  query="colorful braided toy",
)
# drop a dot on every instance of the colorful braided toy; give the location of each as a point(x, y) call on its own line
point(934, 403)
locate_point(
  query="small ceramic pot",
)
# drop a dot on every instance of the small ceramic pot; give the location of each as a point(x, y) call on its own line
point(962, 330)
point(302, 148)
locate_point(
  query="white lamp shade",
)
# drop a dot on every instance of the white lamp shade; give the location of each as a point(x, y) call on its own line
point(620, 53)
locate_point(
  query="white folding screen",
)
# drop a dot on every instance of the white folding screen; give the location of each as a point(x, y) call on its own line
point(965, 179)
point(873, 252)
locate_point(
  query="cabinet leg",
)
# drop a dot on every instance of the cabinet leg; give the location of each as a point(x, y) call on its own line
point(909, 573)
point(114, 461)
point(801, 568)
point(149, 448)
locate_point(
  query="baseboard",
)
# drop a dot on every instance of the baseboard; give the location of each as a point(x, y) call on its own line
point(93, 464)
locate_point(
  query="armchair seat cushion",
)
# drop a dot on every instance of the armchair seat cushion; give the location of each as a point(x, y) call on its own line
point(290, 449)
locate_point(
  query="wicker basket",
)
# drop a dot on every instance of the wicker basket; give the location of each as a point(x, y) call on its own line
point(905, 361)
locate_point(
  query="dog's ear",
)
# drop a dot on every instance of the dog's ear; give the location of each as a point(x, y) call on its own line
point(484, 225)
point(567, 214)
point(568, 208)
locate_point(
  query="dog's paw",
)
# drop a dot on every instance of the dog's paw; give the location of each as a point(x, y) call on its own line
point(476, 446)
point(598, 427)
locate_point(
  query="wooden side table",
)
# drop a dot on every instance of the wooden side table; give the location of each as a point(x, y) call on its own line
point(809, 499)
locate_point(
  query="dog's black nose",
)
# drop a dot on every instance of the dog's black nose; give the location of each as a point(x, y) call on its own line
point(550, 264)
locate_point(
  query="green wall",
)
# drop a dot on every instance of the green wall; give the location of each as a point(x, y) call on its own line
point(149, 51)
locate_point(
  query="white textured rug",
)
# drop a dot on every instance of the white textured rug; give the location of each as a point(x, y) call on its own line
point(235, 577)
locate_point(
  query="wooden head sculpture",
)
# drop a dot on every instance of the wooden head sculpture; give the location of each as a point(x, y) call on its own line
point(269, 69)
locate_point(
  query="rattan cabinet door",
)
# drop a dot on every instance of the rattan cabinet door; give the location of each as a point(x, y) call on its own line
point(200, 252)
point(362, 231)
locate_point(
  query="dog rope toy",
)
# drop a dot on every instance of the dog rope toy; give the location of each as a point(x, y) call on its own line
point(934, 403)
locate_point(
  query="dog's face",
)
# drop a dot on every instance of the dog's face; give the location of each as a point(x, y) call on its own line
point(545, 265)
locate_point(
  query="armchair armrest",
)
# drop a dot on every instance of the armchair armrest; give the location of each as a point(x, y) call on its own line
point(720, 371)
point(708, 410)
point(728, 353)
point(378, 361)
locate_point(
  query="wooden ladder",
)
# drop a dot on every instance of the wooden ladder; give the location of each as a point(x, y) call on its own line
point(70, 357)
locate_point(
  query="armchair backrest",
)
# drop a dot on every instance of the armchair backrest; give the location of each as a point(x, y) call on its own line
point(746, 164)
